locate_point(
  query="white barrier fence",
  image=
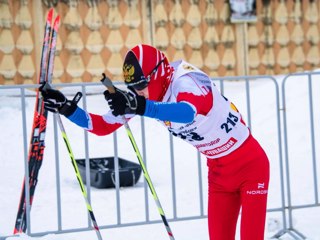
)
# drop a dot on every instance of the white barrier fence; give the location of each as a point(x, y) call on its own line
point(271, 106)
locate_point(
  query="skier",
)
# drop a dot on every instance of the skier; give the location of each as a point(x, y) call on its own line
point(187, 103)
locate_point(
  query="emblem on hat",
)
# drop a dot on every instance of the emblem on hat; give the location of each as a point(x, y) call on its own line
point(128, 72)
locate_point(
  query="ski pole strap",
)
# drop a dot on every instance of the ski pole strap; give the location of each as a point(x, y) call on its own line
point(77, 97)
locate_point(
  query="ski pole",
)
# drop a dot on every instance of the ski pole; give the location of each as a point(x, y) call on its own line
point(108, 83)
point(76, 99)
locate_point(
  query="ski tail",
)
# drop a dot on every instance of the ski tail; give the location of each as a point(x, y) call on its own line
point(36, 147)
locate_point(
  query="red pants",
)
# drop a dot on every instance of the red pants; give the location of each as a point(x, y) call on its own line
point(239, 180)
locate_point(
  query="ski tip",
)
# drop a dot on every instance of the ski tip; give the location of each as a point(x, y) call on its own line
point(50, 14)
point(56, 23)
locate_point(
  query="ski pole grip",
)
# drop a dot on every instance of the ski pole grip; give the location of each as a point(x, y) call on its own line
point(46, 86)
point(108, 83)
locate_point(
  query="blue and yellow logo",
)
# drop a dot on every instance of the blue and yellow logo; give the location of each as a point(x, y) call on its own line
point(187, 67)
point(167, 123)
point(233, 107)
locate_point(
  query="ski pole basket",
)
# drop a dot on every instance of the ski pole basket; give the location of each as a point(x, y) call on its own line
point(102, 172)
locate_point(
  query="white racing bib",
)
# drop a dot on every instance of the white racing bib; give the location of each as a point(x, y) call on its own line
point(218, 133)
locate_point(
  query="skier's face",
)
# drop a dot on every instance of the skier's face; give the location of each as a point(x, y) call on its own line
point(144, 92)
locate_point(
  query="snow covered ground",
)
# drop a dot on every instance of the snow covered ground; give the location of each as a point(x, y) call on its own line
point(74, 213)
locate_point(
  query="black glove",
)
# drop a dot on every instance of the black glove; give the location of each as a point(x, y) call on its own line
point(122, 102)
point(54, 101)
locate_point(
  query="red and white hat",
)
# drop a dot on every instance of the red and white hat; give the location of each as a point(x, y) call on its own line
point(145, 66)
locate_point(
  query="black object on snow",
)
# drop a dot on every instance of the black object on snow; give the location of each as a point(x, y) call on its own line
point(102, 172)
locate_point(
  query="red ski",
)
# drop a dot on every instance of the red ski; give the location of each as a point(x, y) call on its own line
point(37, 143)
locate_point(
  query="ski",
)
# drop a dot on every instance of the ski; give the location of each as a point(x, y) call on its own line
point(37, 144)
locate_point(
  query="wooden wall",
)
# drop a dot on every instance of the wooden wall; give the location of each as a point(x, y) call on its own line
point(94, 35)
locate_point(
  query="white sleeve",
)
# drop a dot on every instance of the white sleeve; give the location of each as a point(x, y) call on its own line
point(188, 84)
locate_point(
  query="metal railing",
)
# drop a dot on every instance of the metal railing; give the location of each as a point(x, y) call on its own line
point(249, 103)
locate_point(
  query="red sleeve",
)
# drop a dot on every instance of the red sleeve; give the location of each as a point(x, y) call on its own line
point(203, 103)
point(100, 127)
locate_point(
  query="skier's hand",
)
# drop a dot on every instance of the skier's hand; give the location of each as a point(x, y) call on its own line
point(122, 102)
point(55, 101)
